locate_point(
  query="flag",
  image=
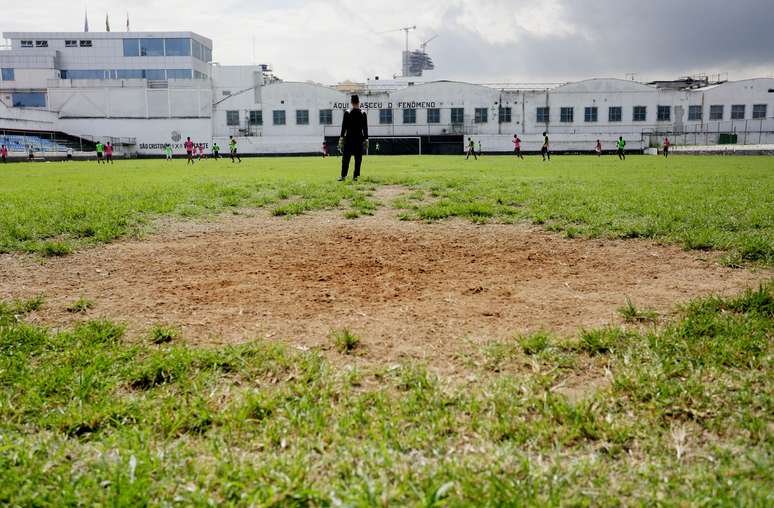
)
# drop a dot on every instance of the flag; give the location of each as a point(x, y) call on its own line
point(85, 21)
point(127, 21)
point(107, 23)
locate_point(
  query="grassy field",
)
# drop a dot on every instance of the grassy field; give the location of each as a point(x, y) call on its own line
point(655, 412)
point(700, 202)
point(682, 417)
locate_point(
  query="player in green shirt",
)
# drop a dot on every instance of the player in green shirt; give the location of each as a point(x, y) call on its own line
point(168, 151)
point(621, 145)
point(232, 146)
point(100, 150)
point(215, 151)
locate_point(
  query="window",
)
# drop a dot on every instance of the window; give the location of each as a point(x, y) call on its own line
point(179, 74)
point(41, 44)
point(759, 110)
point(71, 44)
point(664, 113)
point(151, 47)
point(200, 51)
point(177, 47)
point(542, 114)
point(29, 100)
point(480, 115)
point(26, 44)
point(639, 113)
point(256, 117)
point(155, 74)
point(737, 112)
point(457, 115)
point(505, 115)
point(279, 116)
point(385, 116)
point(129, 74)
point(86, 74)
point(8, 75)
point(409, 116)
point(85, 44)
point(302, 117)
point(590, 114)
point(567, 115)
point(131, 47)
point(716, 112)
point(433, 115)
point(232, 118)
point(326, 117)
point(614, 114)
point(694, 113)
point(199, 75)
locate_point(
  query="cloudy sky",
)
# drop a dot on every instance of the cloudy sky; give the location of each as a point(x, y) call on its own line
point(478, 40)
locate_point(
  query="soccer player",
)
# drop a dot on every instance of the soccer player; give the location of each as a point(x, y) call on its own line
point(189, 149)
point(545, 150)
point(31, 152)
point(598, 148)
point(215, 151)
point(479, 148)
point(232, 146)
point(471, 149)
point(168, 151)
point(108, 153)
point(666, 147)
point(517, 146)
point(100, 150)
point(325, 149)
point(201, 151)
point(621, 148)
point(353, 138)
point(4, 154)
point(377, 148)
point(69, 154)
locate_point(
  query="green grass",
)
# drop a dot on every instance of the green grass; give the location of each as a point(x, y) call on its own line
point(698, 202)
point(345, 341)
point(88, 417)
point(80, 306)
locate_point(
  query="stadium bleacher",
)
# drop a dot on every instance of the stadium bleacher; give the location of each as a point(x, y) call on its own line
point(20, 143)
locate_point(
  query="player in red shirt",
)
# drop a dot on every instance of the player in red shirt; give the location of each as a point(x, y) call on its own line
point(517, 146)
point(598, 148)
point(325, 149)
point(4, 154)
point(666, 147)
point(189, 149)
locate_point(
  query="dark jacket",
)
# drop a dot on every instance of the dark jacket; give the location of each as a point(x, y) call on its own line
point(354, 127)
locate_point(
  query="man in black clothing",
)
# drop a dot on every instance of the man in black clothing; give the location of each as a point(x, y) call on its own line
point(354, 138)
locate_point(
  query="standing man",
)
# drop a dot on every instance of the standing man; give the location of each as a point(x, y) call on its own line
point(4, 154)
point(325, 149)
point(479, 148)
point(598, 148)
point(545, 151)
point(108, 153)
point(666, 147)
point(189, 149)
point(31, 151)
point(471, 149)
point(354, 138)
point(621, 146)
point(517, 146)
point(232, 146)
point(168, 151)
point(215, 151)
point(100, 150)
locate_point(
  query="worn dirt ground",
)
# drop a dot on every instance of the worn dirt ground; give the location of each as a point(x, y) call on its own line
point(409, 290)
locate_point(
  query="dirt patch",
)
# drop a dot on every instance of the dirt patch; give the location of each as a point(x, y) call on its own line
point(409, 290)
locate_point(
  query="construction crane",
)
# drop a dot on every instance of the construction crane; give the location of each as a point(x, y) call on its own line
point(406, 29)
point(424, 44)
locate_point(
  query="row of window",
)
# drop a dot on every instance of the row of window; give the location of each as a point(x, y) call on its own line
point(153, 74)
point(385, 116)
point(7, 74)
point(640, 113)
point(167, 47)
point(68, 44)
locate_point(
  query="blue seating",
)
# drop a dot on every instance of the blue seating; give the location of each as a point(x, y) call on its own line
point(19, 143)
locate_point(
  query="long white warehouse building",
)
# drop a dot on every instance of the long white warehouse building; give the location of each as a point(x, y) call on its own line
point(144, 90)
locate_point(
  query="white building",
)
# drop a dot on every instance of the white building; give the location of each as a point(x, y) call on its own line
point(147, 89)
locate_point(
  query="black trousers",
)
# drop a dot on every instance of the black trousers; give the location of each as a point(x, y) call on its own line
point(349, 152)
